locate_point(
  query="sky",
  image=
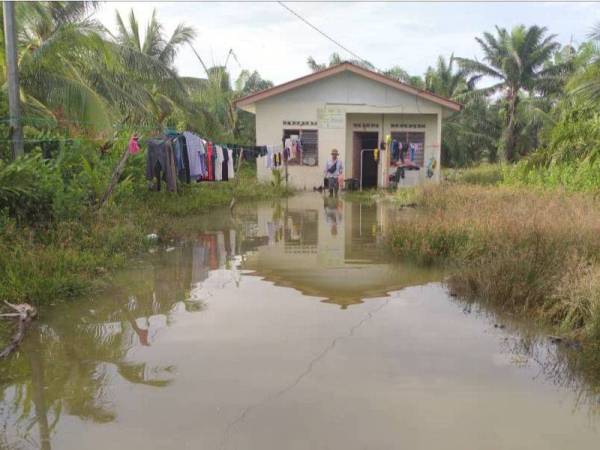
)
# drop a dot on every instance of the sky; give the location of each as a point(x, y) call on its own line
point(266, 37)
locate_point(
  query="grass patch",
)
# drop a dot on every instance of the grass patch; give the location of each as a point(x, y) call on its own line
point(532, 253)
point(482, 175)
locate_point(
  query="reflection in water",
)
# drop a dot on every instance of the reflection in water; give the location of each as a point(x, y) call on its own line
point(75, 362)
point(329, 249)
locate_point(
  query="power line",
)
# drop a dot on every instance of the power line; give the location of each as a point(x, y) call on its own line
point(323, 33)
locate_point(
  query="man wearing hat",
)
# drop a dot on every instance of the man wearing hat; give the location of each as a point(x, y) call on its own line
point(333, 170)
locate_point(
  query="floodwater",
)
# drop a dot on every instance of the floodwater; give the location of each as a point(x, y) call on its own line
point(284, 326)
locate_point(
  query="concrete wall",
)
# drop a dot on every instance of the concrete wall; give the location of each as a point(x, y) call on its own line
point(360, 99)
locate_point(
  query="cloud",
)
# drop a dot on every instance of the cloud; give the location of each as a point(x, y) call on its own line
point(266, 37)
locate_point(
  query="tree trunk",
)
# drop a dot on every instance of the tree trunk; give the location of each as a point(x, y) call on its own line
point(510, 137)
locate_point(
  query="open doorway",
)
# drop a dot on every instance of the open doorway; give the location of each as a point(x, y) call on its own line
point(363, 161)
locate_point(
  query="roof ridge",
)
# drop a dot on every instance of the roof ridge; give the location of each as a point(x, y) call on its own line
point(332, 70)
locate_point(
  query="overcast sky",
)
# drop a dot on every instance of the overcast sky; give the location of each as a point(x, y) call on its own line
point(267, 38)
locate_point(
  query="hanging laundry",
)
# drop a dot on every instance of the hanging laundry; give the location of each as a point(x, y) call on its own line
point(270, 161)
point(230, 163)
point(184, 174)
point(134, 145)
point(160, 163)
point(209, 161)
point(218, 163)
point(195, 149)
point(225, 165)
point(395, 150)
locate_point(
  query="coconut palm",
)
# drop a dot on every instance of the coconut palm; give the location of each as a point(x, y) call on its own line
point(165, 94)
point(56, 41)
point(155, 44)
point(519, 62)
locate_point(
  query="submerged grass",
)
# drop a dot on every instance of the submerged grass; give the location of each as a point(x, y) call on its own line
point(532, 253)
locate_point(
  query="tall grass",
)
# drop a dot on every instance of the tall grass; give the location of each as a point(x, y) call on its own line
point(533, 253)
point(483, 174)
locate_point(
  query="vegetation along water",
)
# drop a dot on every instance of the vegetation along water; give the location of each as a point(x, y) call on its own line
point(483, 290)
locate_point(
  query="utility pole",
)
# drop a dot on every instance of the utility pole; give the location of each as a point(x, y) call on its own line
point(12, 75)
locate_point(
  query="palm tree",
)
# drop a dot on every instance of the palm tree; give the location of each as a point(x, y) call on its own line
point(334, 60)
point(444, 80)
point(155, 43)
point(518, 61)
point(586, 83)
point(58, 44)
point(73, 72)
point(164, 94)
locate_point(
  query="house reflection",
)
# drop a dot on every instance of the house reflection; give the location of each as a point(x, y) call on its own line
point(328, 248)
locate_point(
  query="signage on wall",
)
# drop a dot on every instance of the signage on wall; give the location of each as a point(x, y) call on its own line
point(364, 125)
point(331, 118)
point(300, 123)
point(407, 125)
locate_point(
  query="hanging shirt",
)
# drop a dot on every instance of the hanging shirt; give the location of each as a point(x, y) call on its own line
point(194, 148)
point(230, 163)
point(395, 150)
point(134, 146)
point(269, 157)
point(219, 163)
point(209, 157)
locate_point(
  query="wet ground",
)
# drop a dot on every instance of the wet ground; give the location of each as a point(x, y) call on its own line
point(285, 326)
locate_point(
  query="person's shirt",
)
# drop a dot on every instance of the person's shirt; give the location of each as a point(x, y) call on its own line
point(339, 169)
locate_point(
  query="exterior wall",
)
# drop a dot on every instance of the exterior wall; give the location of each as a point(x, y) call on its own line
point(358, 99)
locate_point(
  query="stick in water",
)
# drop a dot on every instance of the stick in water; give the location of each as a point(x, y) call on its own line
point(25, 314)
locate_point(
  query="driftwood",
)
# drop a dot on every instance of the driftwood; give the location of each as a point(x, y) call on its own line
point(24, 314)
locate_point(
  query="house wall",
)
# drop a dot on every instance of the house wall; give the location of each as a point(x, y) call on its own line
point(358, 99)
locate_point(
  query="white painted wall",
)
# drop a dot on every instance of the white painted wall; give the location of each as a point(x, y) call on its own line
point(358, 97)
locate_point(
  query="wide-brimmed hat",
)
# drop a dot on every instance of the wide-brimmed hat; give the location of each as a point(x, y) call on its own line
point(335, 152)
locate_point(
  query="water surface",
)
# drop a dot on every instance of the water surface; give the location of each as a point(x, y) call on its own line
point(285, 326)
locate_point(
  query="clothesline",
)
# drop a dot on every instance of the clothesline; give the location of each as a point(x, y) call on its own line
point(188, 157)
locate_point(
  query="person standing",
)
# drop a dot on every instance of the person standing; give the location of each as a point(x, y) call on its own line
point(333, 170)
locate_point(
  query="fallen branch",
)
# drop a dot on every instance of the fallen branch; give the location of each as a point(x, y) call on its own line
point(24, 315)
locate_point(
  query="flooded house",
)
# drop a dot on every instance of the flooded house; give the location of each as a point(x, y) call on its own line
point(386, 131)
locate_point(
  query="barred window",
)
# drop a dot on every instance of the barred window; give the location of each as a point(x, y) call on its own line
point(310, 147)
point(414, 139)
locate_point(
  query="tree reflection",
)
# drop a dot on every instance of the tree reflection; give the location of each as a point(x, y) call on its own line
point(69, 362)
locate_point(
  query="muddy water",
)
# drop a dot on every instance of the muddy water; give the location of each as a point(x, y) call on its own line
point(285, 327)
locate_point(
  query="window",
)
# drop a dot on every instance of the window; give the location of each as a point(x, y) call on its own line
point(414, 139)
point(309, 156)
